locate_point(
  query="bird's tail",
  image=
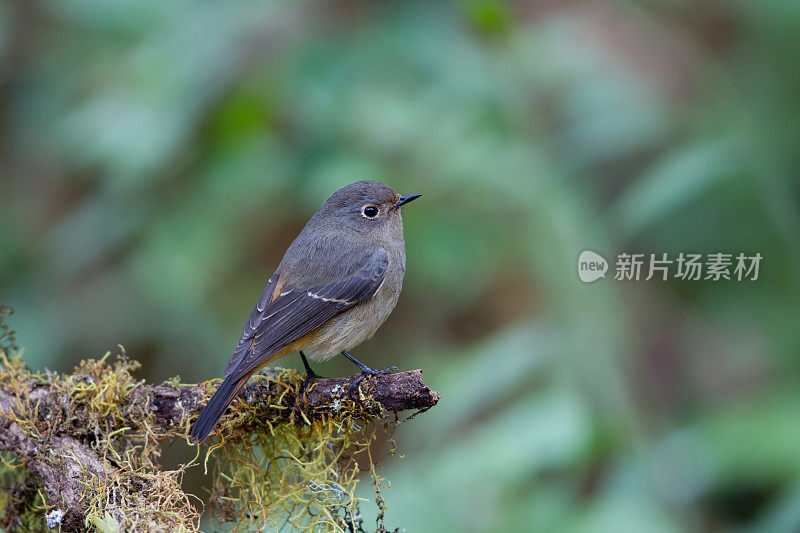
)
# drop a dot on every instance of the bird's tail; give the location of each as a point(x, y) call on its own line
point(216, 408)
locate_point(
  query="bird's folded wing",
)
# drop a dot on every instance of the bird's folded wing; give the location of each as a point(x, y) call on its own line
point(250, 328)
point(297, 311)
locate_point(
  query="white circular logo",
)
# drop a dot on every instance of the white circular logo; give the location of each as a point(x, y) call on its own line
point(591, 266)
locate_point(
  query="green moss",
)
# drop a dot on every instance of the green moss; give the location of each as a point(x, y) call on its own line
point(21, 504)
point(135, 495)
point(299, 471)
point(299, 467)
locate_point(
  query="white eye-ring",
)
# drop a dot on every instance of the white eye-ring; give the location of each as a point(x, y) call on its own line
point(369, 211)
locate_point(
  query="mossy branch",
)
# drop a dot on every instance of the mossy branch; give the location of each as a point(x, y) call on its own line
point(91, 438)
point(401, 391)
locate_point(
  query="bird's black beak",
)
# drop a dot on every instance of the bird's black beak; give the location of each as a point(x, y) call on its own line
point(405, 199)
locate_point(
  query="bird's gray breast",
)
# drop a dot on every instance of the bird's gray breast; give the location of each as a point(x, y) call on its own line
point(354, 326)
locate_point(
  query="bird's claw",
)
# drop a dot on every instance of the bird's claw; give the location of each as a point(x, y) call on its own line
point(310, 375)
point(367, 372)
point(305, 382)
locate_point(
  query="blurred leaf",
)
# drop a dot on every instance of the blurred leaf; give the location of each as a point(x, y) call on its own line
point(491, 17)
point(679, 178)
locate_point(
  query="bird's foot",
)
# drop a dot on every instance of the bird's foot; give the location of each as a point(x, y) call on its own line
point(310, 375)
point(310, 378)
point(365, 372)
point(369, 372)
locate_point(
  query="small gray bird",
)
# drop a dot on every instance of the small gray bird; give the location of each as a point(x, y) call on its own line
point(337, 283)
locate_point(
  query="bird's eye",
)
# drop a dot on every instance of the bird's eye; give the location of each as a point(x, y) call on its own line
point(369, 211)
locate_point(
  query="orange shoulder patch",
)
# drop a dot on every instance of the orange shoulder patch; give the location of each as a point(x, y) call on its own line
point(278, 289)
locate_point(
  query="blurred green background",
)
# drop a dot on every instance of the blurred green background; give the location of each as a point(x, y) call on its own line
point(156, 159)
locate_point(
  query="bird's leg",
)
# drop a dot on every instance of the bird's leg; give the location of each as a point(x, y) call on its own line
point(365, 371)
point(310, 374)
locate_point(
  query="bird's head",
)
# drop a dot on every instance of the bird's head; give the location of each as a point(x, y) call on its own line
point(366, 207)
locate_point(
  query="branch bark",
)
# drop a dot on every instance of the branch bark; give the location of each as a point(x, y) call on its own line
point(394, 392)
point(61, 467)
point(63, 456)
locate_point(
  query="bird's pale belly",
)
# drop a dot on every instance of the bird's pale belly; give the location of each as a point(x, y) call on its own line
point(355, 325)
